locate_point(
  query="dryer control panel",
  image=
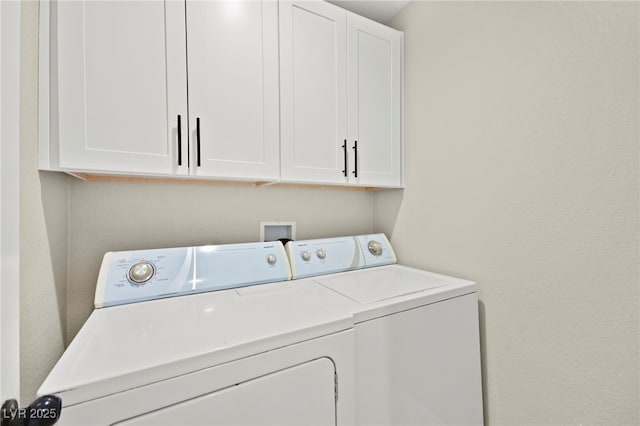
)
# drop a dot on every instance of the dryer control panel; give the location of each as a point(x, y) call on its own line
point(139, 275)
point(310, 258)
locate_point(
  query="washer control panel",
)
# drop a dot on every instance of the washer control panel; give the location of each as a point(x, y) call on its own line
point(376, 250)
point(328, 255)
point(136, 276)
point(323, 256)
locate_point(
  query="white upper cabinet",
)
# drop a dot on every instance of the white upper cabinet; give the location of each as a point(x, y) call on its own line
point(313, 75)
point(233, 88)
point(341, 86)
point(374, 55)
point(260, 90)
point(118, 86)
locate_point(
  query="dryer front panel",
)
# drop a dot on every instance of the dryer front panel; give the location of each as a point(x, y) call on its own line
point(301, 384)
point(300, 395)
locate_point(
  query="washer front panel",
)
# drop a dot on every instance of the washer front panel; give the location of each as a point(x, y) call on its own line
point(429, 370)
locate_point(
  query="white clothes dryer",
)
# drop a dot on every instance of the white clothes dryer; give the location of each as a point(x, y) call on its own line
point(417, 351)
point(162, 349)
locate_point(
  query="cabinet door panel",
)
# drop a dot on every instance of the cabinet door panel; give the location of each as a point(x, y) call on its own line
point(375, 86)
point(233, 87)
point(122, 83)
point(313, 91)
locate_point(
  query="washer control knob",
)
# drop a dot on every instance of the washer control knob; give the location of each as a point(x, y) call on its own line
point(375, 248)
point(141, 272)
point(271, 259)
point(321, 253)
point(306, 256)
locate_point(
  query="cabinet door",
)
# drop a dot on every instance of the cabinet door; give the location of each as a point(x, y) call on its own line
point(375, 87)
point(233, 88)
point(119, 85)
point(313, 91)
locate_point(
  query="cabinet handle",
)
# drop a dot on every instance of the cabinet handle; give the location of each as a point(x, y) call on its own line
point(179, 140)
point(344, 149)
point(355, 157)
point(198, 141)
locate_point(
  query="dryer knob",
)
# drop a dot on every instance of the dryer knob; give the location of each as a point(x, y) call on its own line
point(375, 248)
point(321, 253)
point(271, 259)
point(306, 256)
point(141, 272)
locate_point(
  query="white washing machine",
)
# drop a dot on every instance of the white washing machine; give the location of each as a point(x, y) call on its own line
point(417, 351)
point(161, 348)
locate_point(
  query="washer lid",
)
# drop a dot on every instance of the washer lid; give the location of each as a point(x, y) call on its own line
point(378, 284)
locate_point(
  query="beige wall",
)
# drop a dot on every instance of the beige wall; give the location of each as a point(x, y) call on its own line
point(522, 174)
point(43, 232)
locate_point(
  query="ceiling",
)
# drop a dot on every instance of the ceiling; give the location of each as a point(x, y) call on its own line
point(378, 10)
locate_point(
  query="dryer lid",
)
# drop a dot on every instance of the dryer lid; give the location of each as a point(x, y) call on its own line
point(127, 346)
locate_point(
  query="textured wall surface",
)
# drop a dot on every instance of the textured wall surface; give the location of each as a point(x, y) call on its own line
point(522, 174)
point(43, 232)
